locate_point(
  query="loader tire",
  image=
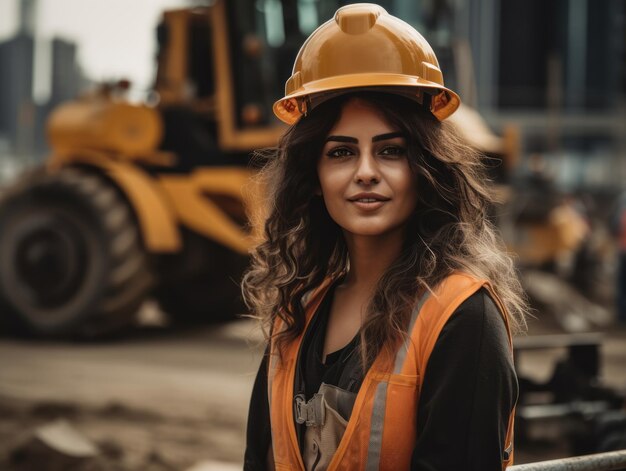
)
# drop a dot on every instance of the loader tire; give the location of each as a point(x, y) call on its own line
point(71, 260)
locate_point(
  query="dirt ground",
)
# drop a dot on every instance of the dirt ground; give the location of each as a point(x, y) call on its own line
point(155, 400)
point(128, 439)
point(161, 399)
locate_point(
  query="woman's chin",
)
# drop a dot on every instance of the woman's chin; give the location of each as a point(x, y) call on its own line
point(370, 230)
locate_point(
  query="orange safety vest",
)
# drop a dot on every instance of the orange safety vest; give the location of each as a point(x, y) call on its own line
point(381, 431)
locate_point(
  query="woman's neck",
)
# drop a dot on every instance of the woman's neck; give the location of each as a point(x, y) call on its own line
point(371, 256)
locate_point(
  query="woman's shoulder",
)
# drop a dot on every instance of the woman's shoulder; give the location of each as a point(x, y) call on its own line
point(477, 308)
point(477, 319)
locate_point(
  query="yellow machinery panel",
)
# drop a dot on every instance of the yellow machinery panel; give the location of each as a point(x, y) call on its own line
point(106, 124)
point(191, 199)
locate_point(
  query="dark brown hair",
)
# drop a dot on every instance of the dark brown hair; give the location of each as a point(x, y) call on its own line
point(449, 230)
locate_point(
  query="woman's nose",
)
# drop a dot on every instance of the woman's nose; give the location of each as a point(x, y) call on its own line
point(367, 170)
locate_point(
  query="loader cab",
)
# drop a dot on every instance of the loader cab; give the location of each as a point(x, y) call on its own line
point(216, 82)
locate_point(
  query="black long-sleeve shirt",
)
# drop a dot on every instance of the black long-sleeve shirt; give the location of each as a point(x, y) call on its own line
point(469, 390)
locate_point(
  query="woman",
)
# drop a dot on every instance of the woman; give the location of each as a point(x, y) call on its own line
point(388, 299)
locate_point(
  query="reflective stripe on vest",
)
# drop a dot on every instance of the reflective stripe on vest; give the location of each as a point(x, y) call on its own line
point(381, 432)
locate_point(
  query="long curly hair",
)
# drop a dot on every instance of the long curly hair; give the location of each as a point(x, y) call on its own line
point(449, 230)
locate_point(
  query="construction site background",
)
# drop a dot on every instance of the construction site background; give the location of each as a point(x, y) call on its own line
point(164, 384)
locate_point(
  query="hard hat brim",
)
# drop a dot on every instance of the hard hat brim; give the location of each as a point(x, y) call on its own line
point(289, 108)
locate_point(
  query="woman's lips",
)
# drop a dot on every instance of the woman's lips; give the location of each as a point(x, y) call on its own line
point(368, 204)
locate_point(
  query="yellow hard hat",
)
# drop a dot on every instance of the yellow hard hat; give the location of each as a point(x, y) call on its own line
point(365, 47)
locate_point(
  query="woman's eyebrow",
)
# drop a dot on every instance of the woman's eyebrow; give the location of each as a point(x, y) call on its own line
point(389, 135)
point(380, 137)
point(342, 139)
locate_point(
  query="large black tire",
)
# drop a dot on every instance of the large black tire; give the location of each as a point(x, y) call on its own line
point(201, 285)
point(71, 260)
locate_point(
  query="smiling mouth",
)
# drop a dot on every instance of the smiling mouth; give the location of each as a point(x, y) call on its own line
point(368, 204)
point(366, 200)
point(369, 199)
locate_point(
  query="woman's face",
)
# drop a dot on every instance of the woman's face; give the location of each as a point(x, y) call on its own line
point(365, 178)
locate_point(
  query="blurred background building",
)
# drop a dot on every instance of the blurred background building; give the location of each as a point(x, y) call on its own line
point(24, 60)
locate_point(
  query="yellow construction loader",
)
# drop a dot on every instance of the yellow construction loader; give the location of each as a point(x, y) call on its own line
point(139, 199)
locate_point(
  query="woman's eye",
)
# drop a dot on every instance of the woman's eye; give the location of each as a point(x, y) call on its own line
point(339, 152)
point(393, 151)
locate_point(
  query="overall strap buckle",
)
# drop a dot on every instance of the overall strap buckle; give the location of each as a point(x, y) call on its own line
point(311, 413)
